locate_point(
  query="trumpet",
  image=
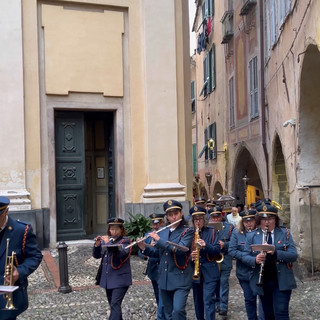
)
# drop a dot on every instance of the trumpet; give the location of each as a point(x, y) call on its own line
point(196, 275)
point(277, 205)
point(8, 272)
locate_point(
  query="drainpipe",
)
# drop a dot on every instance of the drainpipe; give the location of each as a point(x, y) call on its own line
point(308, 187)
point(263, 107)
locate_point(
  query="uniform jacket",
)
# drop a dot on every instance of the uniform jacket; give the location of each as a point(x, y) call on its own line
point(28, 261)
point(286, 253)
point(152, 264)
point(207, 265)
point(116, 270)
point(224, 235)
point(236, 250)
point(173, 274)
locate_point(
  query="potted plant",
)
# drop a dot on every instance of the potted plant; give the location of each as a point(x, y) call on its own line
point(136, 227)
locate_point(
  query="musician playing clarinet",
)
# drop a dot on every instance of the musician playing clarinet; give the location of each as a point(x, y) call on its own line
point(206, 274)
point(175, 270)
point(276, 279)
point(115, 275)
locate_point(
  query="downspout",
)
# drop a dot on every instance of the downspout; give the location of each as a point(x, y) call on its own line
point(263, 107)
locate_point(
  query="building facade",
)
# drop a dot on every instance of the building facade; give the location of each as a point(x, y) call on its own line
point(93, 101)
point(258, 124)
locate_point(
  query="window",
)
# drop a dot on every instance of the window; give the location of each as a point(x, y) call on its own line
point(209, 72)
point(276, 14)
point(193, 99)
point(253, 78)
point(194, 158)
point(207, 9)
point(231, 103)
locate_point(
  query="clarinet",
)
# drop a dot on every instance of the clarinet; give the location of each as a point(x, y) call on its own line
point(260, 281)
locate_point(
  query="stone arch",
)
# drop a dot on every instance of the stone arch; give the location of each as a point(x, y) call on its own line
point(309, 126)
point(280, 187)
point(245, 165)
point(308, 156)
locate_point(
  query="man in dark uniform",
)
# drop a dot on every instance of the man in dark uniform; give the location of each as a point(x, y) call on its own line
point(152, 270)
point(224, 235)
point(175, 270)
point(278, 278)
point(23, 242)
point(204, 253)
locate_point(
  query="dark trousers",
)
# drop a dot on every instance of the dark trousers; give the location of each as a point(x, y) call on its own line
point(275, 303)
point(115, 297)
point(250, 300)
point(174, 303)
point(204, 300)
point(160, 315)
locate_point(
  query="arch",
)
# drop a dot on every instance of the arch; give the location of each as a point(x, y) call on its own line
point(245, 164)
point(309, 126)
point(217, 189)
point(280, 186)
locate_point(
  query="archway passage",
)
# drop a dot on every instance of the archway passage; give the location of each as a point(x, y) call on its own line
point(280, 188)
point(245, 166)
point(217, 190)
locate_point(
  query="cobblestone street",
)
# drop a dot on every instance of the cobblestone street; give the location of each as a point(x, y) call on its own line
point(88, 301)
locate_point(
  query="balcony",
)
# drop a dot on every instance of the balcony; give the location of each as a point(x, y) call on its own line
point(227, 26)
point(247, 6)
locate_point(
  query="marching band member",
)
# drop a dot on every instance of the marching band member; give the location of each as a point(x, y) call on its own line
point(236, 250)
point(115, 272)
point(152, 269)
point(278, 278)
point(175, 270)
point(206, 274)
point(222, 291)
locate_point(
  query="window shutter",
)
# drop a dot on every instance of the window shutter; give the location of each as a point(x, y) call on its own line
point(206, 142)
point(213, 68)
point(194, 158)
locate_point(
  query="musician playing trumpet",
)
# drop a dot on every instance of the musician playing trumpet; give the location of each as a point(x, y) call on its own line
point(152, 268)
point(115, 276)
point(278, 278)
point(172, 246)
point(206, 272)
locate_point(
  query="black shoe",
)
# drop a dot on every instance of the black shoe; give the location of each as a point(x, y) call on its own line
point(223, 313)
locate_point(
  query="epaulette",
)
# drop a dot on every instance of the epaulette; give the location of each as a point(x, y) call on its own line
point(23, 222)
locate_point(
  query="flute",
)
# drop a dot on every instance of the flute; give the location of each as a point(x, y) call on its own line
point(147, 236)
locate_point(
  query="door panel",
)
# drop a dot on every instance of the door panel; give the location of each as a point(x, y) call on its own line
point(70, 175)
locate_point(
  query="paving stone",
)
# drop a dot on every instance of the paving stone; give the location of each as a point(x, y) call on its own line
point(88, 301)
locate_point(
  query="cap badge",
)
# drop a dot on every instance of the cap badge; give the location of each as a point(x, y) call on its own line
point(264, 208)
point(169, 202)
point(154, 215)
point(116, 220)
point(195, 208)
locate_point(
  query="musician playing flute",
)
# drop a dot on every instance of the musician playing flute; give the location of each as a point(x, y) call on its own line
point(204, 285)
point(278, 280)
point(152, 269)
point(175, 270)
point(115, 276)
point(236, 250)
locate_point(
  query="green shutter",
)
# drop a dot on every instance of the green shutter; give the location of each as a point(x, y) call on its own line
point(194, 158)
point(213, 67)
point(206, 143)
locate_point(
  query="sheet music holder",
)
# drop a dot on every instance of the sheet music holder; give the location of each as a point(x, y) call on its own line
point(8, 289)
point(262, 247)
point(178, 246)
point(216, 225)
point(112, 247)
